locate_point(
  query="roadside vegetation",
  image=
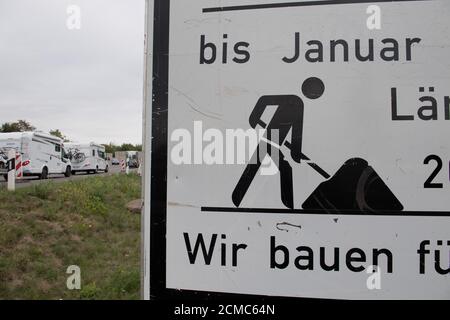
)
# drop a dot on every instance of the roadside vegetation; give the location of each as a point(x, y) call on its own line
point(47, 227)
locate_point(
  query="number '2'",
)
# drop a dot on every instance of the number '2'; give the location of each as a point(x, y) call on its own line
point(429, 182)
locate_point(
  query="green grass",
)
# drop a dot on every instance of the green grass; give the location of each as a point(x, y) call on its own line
point(49, 226)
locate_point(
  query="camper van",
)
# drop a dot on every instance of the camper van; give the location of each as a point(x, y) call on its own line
point(87, 157)
point(42, 153)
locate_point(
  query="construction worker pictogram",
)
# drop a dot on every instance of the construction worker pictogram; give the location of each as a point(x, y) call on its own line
point(355, 186)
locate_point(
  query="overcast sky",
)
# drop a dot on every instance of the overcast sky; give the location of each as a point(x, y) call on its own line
point(87, 82)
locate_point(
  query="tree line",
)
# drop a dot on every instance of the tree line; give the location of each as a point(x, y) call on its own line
point(23, 125)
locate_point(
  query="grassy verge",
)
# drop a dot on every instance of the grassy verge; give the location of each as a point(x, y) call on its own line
point(47, 227)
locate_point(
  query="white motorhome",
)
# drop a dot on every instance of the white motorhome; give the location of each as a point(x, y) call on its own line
point(42, 153)
point(87, 157)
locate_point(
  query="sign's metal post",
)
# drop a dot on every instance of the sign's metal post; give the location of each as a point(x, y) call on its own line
point(11, 170)
point(145, 165)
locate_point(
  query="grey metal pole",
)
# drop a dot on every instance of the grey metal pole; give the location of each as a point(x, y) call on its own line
point(146, 149)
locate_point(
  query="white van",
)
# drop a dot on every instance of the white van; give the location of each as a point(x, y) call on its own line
point(87, 157)
point(42, 153)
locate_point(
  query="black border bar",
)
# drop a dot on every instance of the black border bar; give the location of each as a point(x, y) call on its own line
point(297, 4)
point(329, 212)
point(158, 190)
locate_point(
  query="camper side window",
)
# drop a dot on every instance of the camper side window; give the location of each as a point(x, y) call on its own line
point(93, 153)
point(57, 148)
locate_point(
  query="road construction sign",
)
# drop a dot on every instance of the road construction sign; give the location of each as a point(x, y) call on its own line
point(298, 149)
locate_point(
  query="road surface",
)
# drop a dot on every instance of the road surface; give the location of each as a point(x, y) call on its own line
point(28, 181)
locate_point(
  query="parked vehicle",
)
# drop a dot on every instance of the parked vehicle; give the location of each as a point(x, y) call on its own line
point(87, 157)
point(132, 158)
point(4, 163)
point(115, 161)
point(42, 153)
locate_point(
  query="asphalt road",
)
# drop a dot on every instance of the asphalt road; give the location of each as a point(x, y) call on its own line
point(28, 181)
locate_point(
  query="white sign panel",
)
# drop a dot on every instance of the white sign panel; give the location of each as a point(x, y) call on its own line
point(302, 149)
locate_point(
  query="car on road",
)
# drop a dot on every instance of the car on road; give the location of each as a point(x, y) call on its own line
point(115, 161)
point(133, 161)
